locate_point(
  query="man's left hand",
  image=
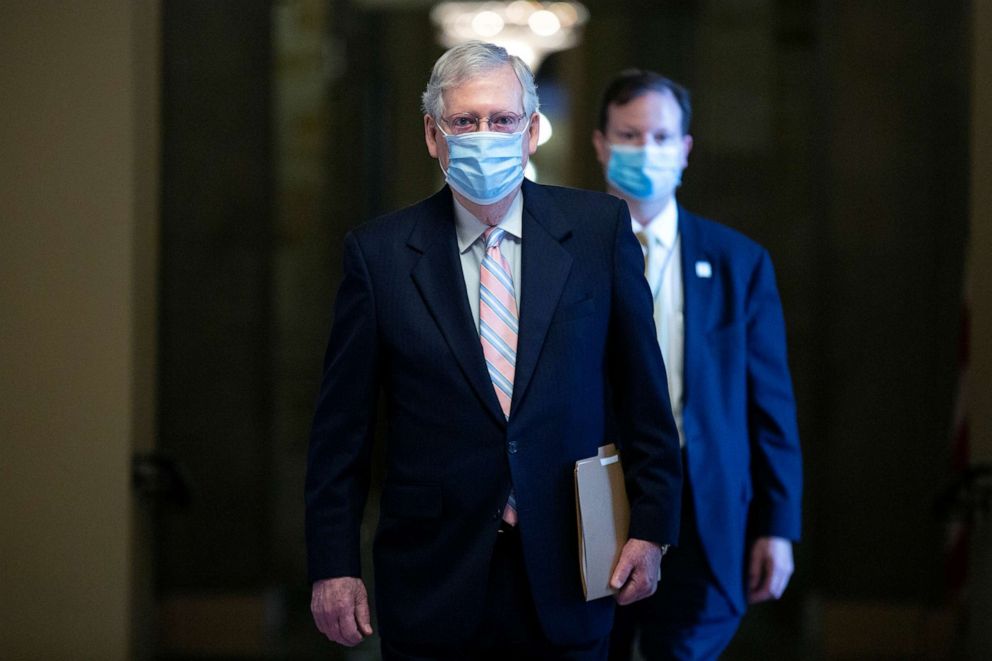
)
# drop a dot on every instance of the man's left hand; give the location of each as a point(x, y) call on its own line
point(637, 572)
point(769, 569)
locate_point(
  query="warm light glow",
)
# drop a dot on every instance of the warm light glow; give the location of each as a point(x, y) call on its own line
point(487, 24)
point(461, 27)
point(566, 12)
point(529, 30)
point(530, 171)
point(544, 129)
point(544, 23)
point(521, 50)
point(517, 12)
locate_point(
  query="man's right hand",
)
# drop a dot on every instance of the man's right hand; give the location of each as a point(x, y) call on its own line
point(340, 608)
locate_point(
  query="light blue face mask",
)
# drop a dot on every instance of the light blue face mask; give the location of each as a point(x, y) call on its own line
point(645, 173)
point(485, 166)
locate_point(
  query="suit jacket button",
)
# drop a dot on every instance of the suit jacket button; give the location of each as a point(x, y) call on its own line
point(511, 447)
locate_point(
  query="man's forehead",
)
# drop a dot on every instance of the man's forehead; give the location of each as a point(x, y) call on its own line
point(501, 80)
point(650, 105)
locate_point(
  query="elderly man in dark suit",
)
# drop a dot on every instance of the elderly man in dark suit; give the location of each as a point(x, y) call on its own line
point(503, 322)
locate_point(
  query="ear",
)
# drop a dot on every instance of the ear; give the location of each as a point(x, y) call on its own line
point(687, 144)
point(430, 135)
point(601, 146)
point(533, 133)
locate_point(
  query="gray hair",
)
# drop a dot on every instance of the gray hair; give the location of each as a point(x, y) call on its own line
point(468, 60)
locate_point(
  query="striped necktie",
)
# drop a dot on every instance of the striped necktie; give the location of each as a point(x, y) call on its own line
point(498, 330)
point(498, 318)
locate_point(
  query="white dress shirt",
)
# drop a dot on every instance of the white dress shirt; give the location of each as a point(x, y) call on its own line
point(663, 270)
point(472, 248)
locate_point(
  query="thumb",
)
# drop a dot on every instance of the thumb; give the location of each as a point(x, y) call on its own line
point(754, 572)
point(621, 573)
point(362, 615)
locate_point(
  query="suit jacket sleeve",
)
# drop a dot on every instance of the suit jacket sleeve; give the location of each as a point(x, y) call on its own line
point(338, 460)
point(648, 439)
point(776, 464)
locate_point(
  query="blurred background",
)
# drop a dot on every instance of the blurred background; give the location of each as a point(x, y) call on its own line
point(177, 176)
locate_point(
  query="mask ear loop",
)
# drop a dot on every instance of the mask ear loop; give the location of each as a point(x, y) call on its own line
point(438, 125)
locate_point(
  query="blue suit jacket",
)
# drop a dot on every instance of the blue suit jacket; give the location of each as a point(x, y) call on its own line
point(403, 327)
point(742, 443)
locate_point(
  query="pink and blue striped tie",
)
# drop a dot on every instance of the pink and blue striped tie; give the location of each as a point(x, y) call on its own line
point(498, 329)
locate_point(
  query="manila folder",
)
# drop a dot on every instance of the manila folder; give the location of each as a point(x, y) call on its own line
point(603, 519)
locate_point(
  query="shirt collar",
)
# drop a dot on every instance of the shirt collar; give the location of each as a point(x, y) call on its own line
point(469, 228)
point(664, 227)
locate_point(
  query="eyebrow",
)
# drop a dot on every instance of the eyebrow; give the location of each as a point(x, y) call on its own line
point(635, 129)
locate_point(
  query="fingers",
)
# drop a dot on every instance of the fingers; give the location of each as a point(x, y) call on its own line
point(772, 586)
point(761, 593)
point(322, 617)
point(755, 570)
point(779, 580)
point(623, 580)
point(637, 571)
point(347, 630)
point(769, 570)
point(758, 577)
point(783, 569)
point(636, 588)
point(621, 573)
point(363, 616)
point(341, 610)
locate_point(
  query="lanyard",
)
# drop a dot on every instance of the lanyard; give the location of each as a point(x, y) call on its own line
point(656, 286)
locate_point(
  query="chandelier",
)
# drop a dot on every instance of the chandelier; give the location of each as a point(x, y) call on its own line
point(529, 30)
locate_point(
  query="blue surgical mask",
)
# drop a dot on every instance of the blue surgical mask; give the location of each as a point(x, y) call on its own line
point(650, 172)
point(485, 166)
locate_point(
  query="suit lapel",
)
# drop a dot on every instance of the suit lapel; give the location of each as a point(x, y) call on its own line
point(545, 268)
point(438, 277)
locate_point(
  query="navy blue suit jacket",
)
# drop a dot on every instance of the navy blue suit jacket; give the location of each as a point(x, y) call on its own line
point(403, 327)
point(739, 417)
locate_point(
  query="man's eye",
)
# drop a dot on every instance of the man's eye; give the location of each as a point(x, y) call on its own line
point(462, 122)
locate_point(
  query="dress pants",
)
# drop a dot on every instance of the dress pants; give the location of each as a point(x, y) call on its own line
point(689, 618)
point(510, 629)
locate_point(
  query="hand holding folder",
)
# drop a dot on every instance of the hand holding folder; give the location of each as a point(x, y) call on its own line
point(603, 519)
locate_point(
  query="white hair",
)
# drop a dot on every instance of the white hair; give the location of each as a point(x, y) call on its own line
point(468, 60)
